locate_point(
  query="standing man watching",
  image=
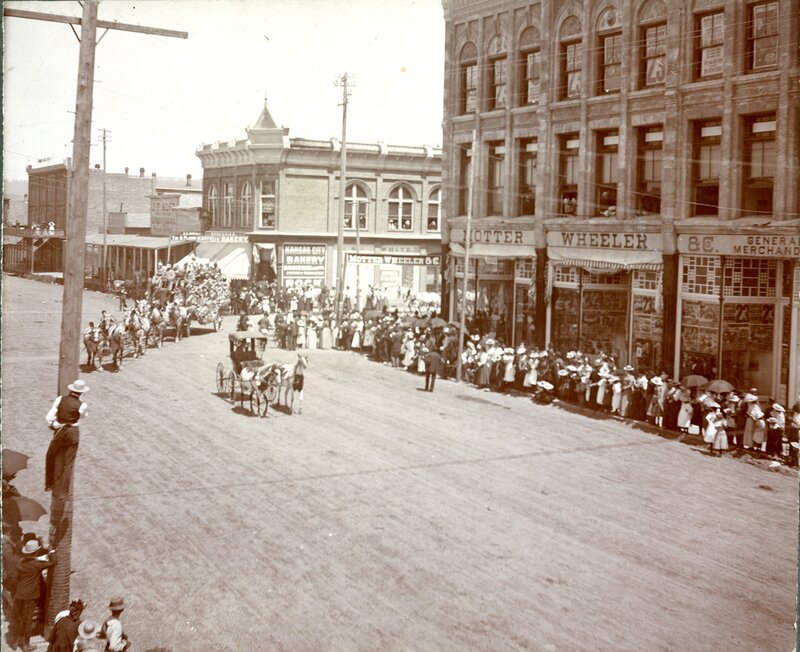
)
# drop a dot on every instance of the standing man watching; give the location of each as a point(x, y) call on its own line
point(111, 631)
point(63, 418)
point(433, 366)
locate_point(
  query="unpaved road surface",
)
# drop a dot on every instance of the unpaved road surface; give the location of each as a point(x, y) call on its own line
point(386, 518)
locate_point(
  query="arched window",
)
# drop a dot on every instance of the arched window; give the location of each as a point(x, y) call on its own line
point(609, 52)
point(434, 208)
point(529, 63)
point(355, 203)
point(212, 204)
point(498, 73)
point(571, 59)
point(468, 79)
point(227, 217)
point(401, 209)
point(246, 214)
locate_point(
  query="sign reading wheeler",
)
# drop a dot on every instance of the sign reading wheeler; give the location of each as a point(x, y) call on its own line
point(624, 241)
point(756, 246)
point(393, 259)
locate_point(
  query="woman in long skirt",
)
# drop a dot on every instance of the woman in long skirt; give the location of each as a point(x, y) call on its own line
point(686, 412)
point(325, 336)
point(311, 335)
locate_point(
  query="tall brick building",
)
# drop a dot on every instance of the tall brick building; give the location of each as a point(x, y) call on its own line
point(283, 194)
point(636, 169)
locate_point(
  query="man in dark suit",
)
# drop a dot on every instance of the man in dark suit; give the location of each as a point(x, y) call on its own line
point(433, 366)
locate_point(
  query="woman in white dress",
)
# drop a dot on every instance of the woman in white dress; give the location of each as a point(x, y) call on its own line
point(326, 336)
point(301, 333)
point(686, 411)
point(408, 350)
point(311, 335)
point(532, 375)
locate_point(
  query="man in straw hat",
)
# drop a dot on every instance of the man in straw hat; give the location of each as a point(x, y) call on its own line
point(63, 418)
point(28, 592)
point(111, 631)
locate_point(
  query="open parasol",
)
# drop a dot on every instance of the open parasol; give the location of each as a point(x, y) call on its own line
point(13, 462)
point(20, 508)
point(694, 380)
point(719, 386)
point(437, 322)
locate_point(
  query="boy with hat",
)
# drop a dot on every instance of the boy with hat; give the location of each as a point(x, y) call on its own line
point(111, 631)
point(63, 417)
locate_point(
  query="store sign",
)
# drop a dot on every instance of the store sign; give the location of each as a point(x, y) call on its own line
point(393, 259)
point(304, 265)
point(214, 236)
point(494, 236)
point(623, 241)
point(758, 246)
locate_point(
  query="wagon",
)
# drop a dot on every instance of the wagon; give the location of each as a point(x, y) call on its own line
point(206, 316)
point(243, 381)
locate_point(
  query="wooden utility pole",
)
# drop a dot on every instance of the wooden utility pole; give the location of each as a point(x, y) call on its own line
point(74, 255)
point(342, 173)
point(467, 242)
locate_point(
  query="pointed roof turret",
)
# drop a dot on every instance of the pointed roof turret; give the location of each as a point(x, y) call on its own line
point(265, 120)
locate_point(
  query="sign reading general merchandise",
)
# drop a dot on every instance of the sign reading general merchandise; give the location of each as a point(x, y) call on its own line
point(757, 246)
point(494, 236)
point(304, 265)
point(623, 241)
point(393, 259)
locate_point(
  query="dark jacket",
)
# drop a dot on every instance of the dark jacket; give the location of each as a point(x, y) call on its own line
point(30, 576)
point(63, 635)
point(433, 362)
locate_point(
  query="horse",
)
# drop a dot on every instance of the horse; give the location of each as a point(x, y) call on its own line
point(157, 326)
point(92, 339)
point(291, 378)
point(134, 326)
point(114, 336)
point(176, 316)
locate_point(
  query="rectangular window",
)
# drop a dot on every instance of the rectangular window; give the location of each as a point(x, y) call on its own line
point(531, 63)
point(610, 63)
point(568, 174)
point(706, 165)
point(499, 73)
point(464, 177)
point(648, 169)
point(469, 88)
point(228, 206)
point(709, 48)
point(496, 167)
point(434, 211)
point(607, 172)
point(268, 204)
point(653, 55)
point(528, 150)
point(762, 37)
point(759, 164)
point(571, 56)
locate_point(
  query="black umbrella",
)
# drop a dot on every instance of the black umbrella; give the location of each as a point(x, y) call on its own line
point(13, 462)
point(20, 508)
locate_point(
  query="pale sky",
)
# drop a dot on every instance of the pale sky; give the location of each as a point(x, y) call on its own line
point(162, 98)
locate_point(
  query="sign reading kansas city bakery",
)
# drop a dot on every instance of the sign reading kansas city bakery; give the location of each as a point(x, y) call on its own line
point(494, 236)
point(622, 241)
point(756, 246)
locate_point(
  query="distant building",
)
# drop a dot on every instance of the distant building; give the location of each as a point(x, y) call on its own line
point(636, 179)
point(283, 194)
point(15, 211)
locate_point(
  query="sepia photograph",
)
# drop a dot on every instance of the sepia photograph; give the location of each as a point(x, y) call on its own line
point(576, 222)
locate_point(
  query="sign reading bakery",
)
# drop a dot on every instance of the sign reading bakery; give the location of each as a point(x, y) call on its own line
point(755, 246)
point(494, 236)
point(621, 241)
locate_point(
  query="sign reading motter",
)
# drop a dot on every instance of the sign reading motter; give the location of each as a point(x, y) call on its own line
point(393, 259)
point(623, 241)
point(304, 265)
point(494, 236)
point(756, 246)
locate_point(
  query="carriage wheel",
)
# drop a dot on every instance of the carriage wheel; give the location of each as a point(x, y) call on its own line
point(271, 395)
point(232, 387)
point(220, 375)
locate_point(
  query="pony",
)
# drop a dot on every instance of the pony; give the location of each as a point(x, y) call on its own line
point(291, 379)
point(92, 339)
point(114, 336)
point(135, 327)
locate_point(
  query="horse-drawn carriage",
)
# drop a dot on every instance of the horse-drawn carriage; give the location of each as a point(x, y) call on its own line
point(204, 315)
point(253, 380)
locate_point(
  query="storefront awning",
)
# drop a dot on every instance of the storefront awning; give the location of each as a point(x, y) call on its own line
point(231, 257)
point(481, 250)
point(264, 252)
point(605, 259)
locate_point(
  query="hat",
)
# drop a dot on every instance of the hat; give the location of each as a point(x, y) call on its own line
point(521, 348)
point(750, 398)
point(508, 350)
point(475, 338)
point(777, 407)
point(570, 355)
point(563, 372)
point(627, 367)
point(656, 380)
point(31, 547)
point(88, 629)
point(79, 387)
point(116, 604)
point(732, 398)
point(713, 405)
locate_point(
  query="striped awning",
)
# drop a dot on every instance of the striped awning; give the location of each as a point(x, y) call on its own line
point(605, 265)
point(608, 260)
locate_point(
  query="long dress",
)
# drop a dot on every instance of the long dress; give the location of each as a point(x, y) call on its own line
point(532, 375)
point(408, 352)
point(311, 337)
point(483, 369)
point(685, 413)
point(616, 396)
point(356, 341)
point(325, 337)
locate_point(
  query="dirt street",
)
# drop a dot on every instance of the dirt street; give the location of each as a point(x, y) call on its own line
point(386, 518)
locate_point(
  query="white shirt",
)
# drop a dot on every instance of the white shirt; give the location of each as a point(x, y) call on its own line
point(114, 635)
point(51, 415)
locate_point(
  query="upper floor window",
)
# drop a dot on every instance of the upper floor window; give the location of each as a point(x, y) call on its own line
point(246, 215)
point(212, 204)
point(267, 204)
point(653, 53)
point(464, 177)
point(607, 172)
point(709, 45)
point(762, 36)
point(355, 203)
point(528, 151)
point(609, 52)
point(759, 164)
point(706, 156)
point(648, 169)
point(571, 56)
point(227, 216)
point(401, 209)
point(498, 73)
point(496, 180)
point(468, 79)
point(434, 210)
point(529, 64)
point(568, 174)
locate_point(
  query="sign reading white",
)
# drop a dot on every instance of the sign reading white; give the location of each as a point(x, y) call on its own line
point(393, 259)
